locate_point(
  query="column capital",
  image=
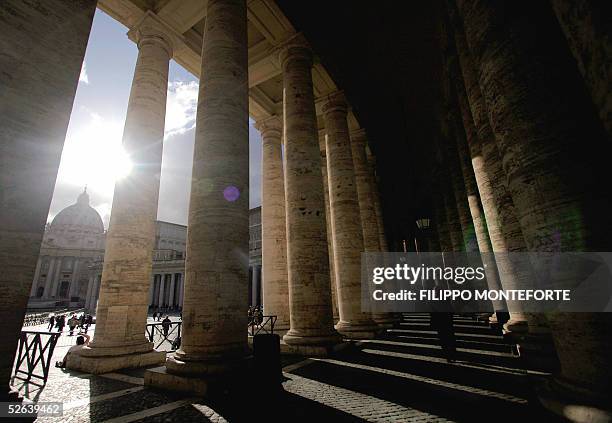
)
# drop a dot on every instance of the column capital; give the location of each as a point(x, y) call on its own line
point(270, 127)
point(151, 29)
point(335, 102)
point(296, 48)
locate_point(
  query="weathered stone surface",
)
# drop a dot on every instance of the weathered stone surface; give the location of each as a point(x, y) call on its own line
point(364, 179)
point(346, 221)
point(503, 226)
point(121, 315)
point(273, 224)
point(214, 338)
point(36, 97)
point(307, 254)
point(369, 206)
point(328, 222)
point(547, 137)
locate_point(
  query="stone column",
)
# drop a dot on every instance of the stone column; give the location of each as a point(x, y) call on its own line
point(310, 304)
point(590, 40)
point(328, 228)
point(74, 281)
point(162, 289)
point(214, 338)
point(88, 295)
point(503, 227)
point(49, 278)
point(36, 277)
point(364, 182)
point(273, 224)
point(182, 279)
point(382, 238)
point(93, 299)
point(171, 295)
point(255, 287)
point(364, 179)
point(56, 277)
point(547, 137)
point(152, 290)
point(346, 221)
point(42, 47)
point(122, 311)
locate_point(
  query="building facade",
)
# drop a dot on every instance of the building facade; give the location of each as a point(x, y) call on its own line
point(69, 269)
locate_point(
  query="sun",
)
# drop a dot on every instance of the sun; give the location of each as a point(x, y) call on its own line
point(93, 156)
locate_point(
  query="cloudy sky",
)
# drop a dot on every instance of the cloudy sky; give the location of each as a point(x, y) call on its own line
point(93, 141)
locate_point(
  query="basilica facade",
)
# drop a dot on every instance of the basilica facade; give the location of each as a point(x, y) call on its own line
point(69, 268)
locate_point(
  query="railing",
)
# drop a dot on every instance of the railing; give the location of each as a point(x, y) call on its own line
point(43, 318)
point(36, 319)
point(36, 353)
point(258, 323)
point(164, 339)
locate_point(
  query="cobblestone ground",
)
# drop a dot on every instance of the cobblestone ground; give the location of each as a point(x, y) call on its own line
point(400, 377)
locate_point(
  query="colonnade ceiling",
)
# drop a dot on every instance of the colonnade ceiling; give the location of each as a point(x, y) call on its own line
point(268, 28)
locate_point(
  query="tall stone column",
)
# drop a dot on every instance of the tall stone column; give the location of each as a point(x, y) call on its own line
point(382, 238)
point(330, 240)
point(547, 137)
point(273, 224)
point(364, 178)
point(310, 303)
point(171, 295)
point(256, 286)
point(162, 290)
point(38, 75)
point(346, 221)
point(74, 281)
point(181, 296)
point(214, 338)
point(60, 262)
point(90, 283)
point(49, 278)
point(121, 315)
point(36, 277)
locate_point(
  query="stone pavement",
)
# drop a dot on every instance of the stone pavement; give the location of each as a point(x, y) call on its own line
point(399, 377)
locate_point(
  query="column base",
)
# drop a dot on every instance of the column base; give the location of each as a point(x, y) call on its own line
point(207, 368)
point(358, 331)
point(103, 360)
point(199, 378)
point(314, 346)
point(384, 320)
point(559, 398)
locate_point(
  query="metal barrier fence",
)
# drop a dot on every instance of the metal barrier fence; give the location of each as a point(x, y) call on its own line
point(165, 337)
point(43, 318)
point(261, 324)
point(36, 353)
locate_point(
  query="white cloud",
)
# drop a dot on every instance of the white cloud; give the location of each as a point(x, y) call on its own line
point(83, 76)
point(181, 107)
